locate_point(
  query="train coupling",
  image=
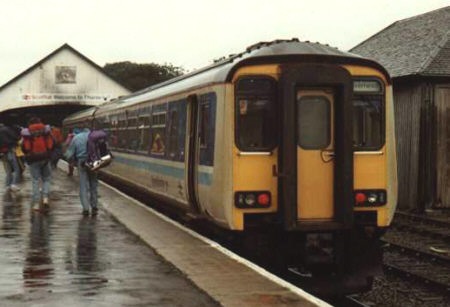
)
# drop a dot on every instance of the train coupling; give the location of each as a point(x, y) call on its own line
point(319, 249)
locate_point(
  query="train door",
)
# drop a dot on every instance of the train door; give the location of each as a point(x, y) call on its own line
point(316, 160)
point(315, 151)
point(200, 159)
point(192, 153)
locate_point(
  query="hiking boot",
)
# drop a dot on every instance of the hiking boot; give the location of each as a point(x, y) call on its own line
point(94, 211)
point(85, 212)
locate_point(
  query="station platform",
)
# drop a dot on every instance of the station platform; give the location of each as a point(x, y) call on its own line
point(127, 255)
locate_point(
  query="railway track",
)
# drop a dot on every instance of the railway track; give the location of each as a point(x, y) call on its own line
point(416, 264)
point(429, 238)
point(419, 247)
point(435, 275)
point(436, 228)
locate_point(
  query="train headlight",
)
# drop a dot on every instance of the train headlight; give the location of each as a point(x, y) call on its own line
point(252, 199)
point(370, 198)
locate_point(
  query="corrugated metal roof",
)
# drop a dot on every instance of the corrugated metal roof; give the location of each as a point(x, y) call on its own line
point(414, 46)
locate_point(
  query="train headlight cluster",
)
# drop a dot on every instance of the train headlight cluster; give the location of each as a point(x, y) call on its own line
point(252, 199)
point(370, 198)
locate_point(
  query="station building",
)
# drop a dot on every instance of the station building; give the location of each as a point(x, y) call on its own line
point(60, 84)
point(416, 52)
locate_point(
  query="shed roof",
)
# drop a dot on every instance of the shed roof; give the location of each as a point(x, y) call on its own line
point(414, 46)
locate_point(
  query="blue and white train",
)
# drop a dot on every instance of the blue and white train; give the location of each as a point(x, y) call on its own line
point(289, 138)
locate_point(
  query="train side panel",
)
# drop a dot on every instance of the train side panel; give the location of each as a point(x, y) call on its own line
point(158, 166)
point(168, 179)
point(213, 174)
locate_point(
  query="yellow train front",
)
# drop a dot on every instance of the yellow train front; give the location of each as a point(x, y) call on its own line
point(290, 144)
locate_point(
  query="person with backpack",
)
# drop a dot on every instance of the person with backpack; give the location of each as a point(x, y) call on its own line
point(9, 137)
point(71, 164)
point(37, 146)
point(57, 149)
point(78, 151)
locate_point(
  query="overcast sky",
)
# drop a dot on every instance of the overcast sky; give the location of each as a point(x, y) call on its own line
point(186, 33)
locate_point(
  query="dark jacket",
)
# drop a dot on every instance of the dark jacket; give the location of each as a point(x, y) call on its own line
point(9, 136)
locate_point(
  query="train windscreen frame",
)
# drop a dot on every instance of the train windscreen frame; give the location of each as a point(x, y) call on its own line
point(368, 114)
point(256, 112)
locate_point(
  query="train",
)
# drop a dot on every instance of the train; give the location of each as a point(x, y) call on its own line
point(289, 144)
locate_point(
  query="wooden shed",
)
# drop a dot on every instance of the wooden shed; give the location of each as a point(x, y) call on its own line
point(416, 52)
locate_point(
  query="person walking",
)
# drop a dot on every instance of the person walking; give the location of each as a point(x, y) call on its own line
point(77, 151)
point(37, 146)
point(9, 137)
point(66, 145)
point(57, 149)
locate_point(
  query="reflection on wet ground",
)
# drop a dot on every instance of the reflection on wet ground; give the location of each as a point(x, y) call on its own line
point(64, 259)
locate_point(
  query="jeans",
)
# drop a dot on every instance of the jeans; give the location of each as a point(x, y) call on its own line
point(12, 168)
point(40, 171)
point(88, 187)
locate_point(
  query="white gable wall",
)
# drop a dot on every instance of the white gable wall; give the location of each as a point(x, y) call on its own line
point(64, 78)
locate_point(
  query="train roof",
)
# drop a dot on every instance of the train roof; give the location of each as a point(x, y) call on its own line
point(278, 51)
point(80, 115)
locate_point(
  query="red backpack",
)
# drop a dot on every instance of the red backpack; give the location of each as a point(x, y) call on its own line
point(37, 143)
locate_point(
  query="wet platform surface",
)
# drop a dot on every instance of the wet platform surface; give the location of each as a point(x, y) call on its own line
point(64, 259)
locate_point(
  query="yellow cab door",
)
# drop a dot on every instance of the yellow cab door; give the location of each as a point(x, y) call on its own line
point(316, 148)
point(315, 151)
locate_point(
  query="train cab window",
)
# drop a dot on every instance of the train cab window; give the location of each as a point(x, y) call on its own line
point(368, 110)
point(256, 114)
point(313, 117)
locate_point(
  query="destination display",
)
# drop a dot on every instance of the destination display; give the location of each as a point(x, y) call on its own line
point(366, 86)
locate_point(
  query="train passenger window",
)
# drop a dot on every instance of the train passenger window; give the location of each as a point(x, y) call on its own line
point(132, 134)
point(314, 118)
point(204, 124)
point(207, 127)
point(176, 130)
point(256, 114)
point(122, 132)
point(158, 133)
point(144, 132)
point(173, 134)
point(114, 136)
